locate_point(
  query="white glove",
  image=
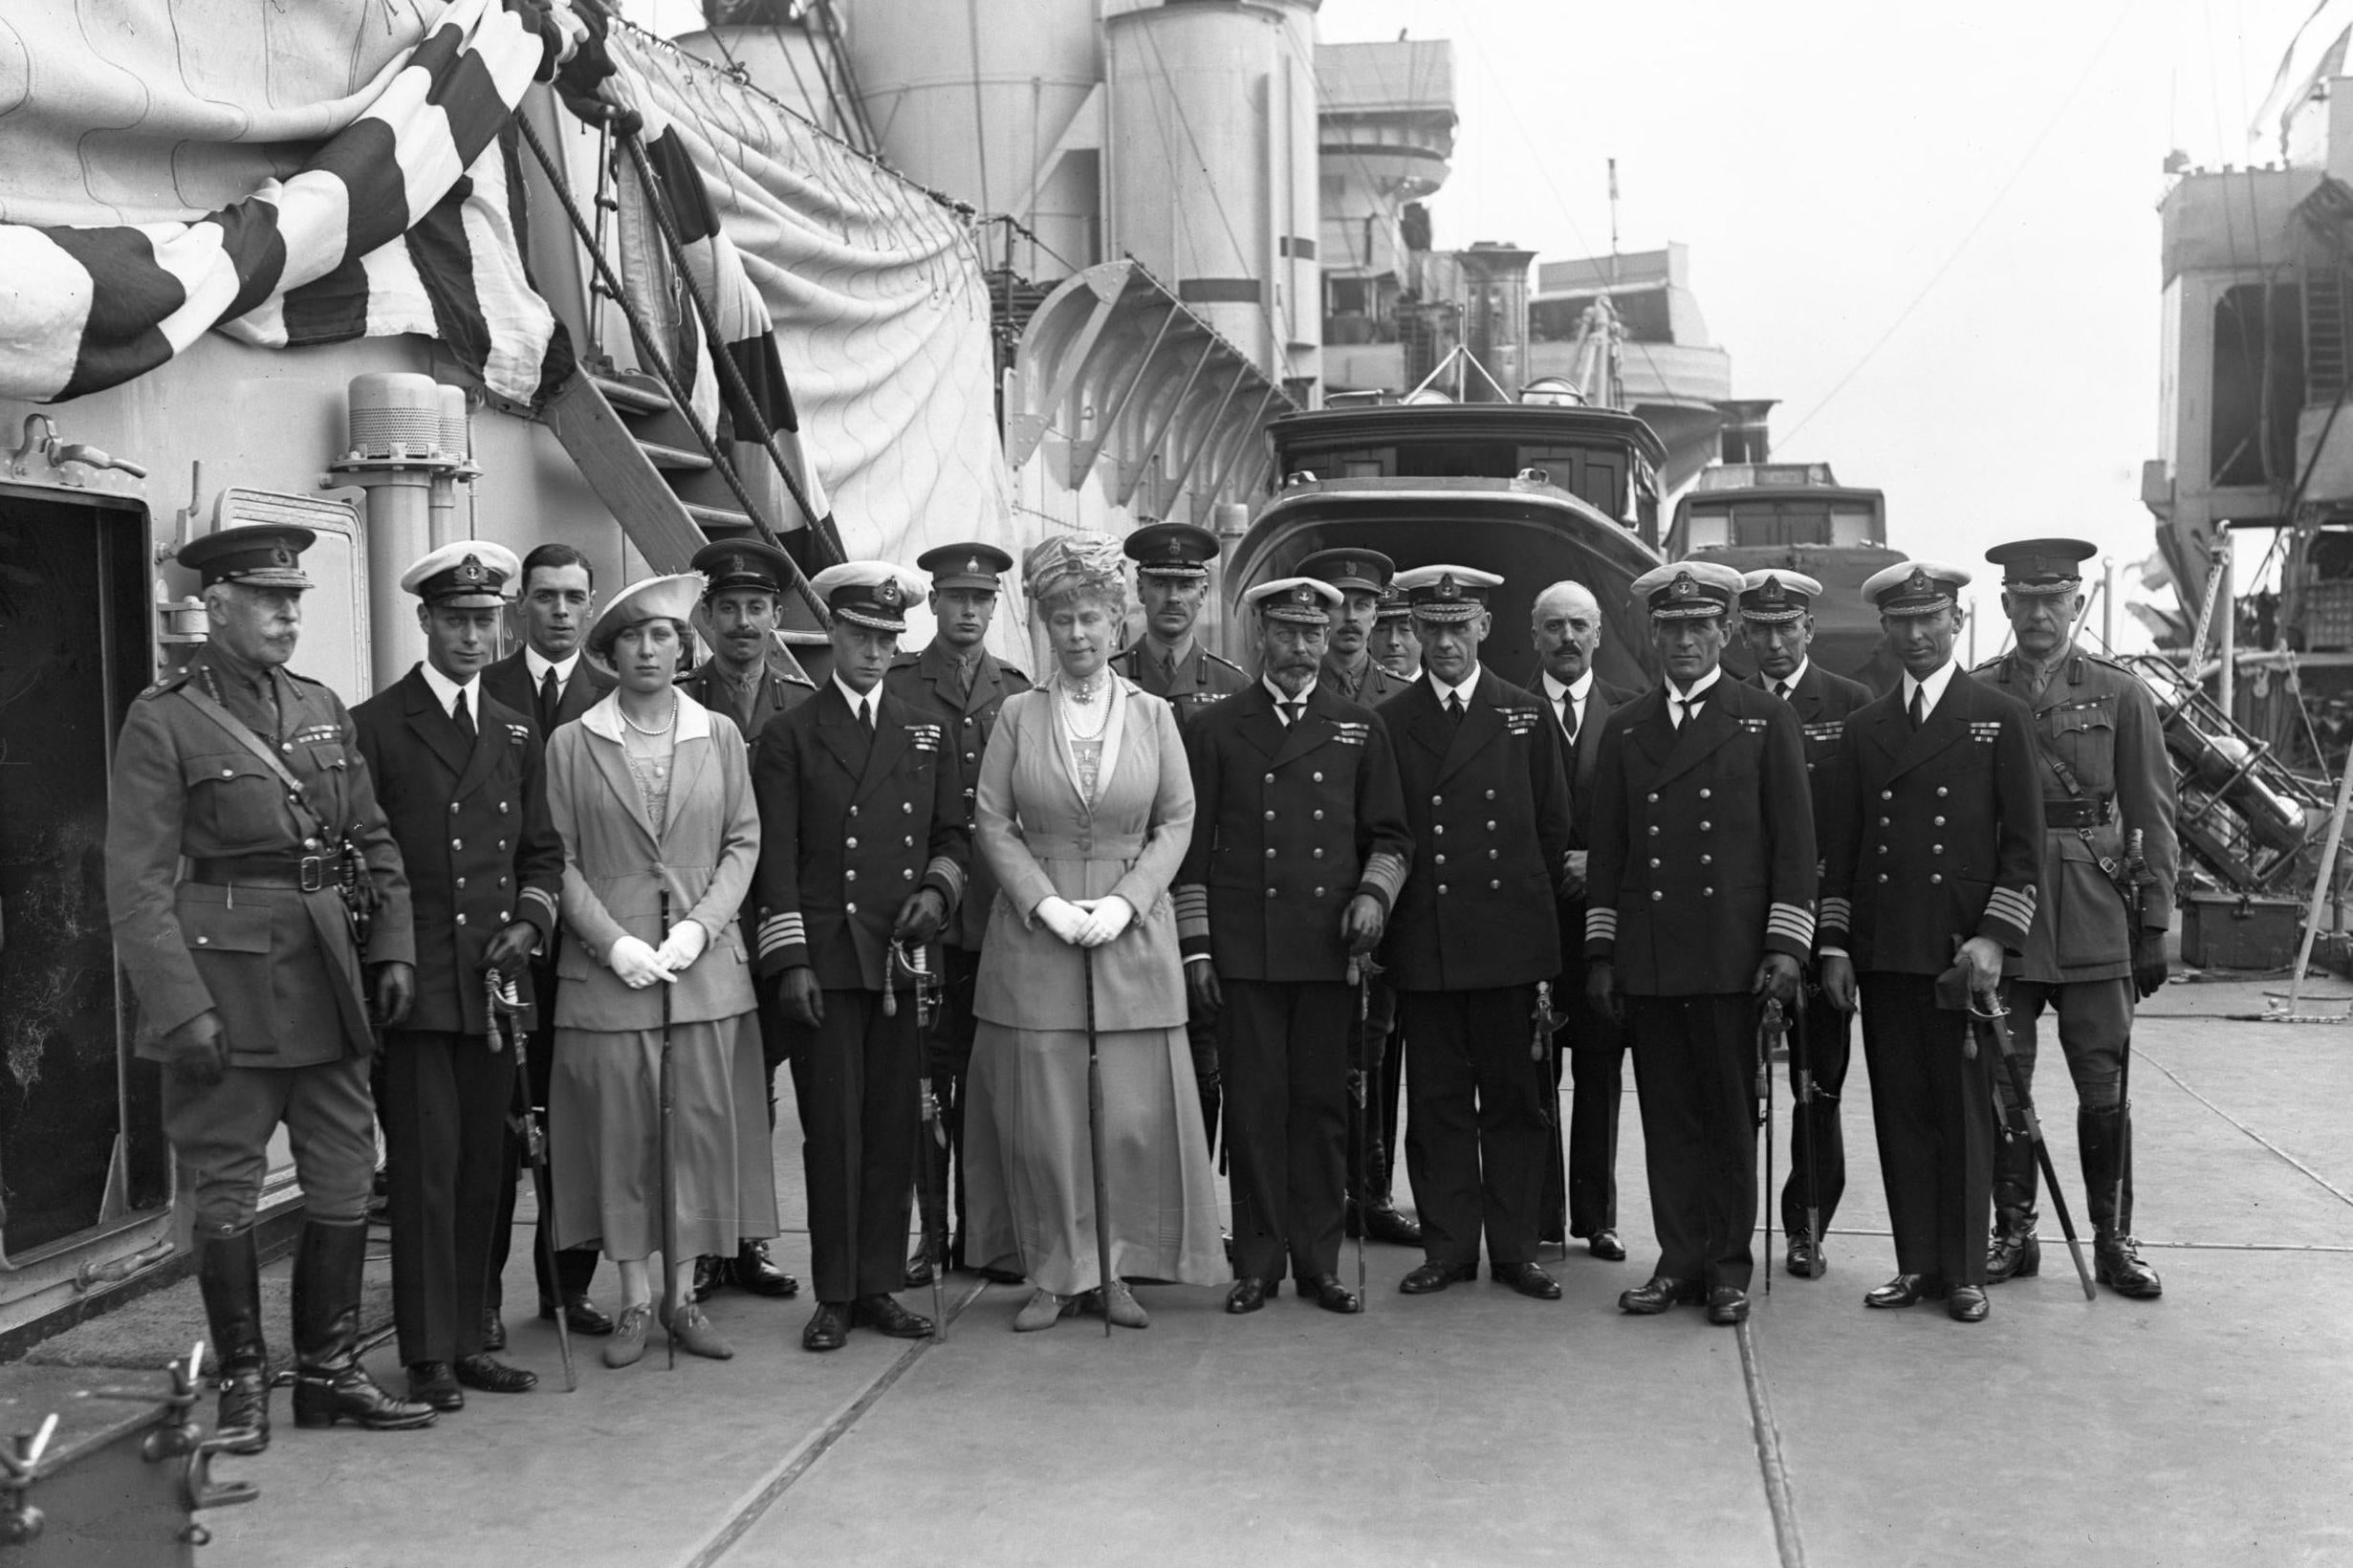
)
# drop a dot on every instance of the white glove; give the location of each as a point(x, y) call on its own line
point(684, 945)
point(637, 963)
point(1107, 918)
point(1064, 919)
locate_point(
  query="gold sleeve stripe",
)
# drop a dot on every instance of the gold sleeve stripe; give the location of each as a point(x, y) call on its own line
point(1385, 871)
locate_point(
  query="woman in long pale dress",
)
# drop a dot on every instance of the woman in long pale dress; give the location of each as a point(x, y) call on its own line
point(1084, 807)
point(653, 792)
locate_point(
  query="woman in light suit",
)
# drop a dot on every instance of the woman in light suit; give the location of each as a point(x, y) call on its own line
point(1085, 807)
point(653, 792)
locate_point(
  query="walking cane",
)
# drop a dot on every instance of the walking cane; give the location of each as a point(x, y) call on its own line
point(914, 963)
point(1095, 1145)
point(1360, 972)
point(1802, 1090)
point(501, 1002)
point(1993, 1021)
point(1769, 1024)
point(669, 1109)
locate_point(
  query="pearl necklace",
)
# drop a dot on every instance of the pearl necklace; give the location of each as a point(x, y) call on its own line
point(662, 728)
point(1083, 698)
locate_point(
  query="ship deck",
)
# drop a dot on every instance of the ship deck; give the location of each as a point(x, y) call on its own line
point(1476, 1426)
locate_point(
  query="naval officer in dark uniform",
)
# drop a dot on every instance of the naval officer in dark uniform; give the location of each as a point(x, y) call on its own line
point(1349, 671)
point(1931, 849)
point(746, 679)
point(1777, 621)
point(1565, 623)
point(548, 680)
point(963, 685)
point(1475, 932)
point(1300, 847)
point(863, 854)
point(247, 970)
point(458, 775)
point(2105, 776)
point(1699, 911)
point(1172, 581)
point(1392, 644)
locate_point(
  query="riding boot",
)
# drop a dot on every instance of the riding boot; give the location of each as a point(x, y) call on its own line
point(229, 1273)
point(2106, 1136)
point(2015, 1253)
point(330, 1384)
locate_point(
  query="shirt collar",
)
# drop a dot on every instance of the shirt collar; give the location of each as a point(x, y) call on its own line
point(445, 692)
point(539, 663)
point(853, 698)
point(1934, 686)
point(1699, 687)
point(1576, 690)
point(1471, 683)
point(1280, 696)
point(1794, 676)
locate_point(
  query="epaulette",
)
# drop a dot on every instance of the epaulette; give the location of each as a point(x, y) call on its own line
point(795, 677)
point(901, 661)
point(300, 680)
point(1221, 659)
point(173, 682)
point(1004, 668)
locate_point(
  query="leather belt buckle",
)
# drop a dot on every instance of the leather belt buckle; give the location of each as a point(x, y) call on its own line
point(311, 873)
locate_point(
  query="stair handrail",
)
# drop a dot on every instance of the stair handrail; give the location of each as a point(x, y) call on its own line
point(649, 350)
point(729, 371)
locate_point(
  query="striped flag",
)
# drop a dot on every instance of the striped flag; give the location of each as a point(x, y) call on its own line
point(403, 221)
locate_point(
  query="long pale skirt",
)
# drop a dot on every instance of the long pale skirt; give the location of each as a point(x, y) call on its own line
point(1030, 1175)
point(604, 1131)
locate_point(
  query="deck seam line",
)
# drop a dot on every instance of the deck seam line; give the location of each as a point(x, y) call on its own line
point(2318, 1180)
point(723, 1537)
point(1780, 1499)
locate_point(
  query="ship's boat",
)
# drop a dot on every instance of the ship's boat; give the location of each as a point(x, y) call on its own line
point(1535, 491)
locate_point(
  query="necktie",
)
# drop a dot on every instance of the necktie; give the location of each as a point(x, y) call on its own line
point(1780, 690)
point(1568, 716)
point(464, 713)
point(1684, 709)
point(551, 697)
point(1920, 709)
point(1454, 705)
point(1291, 711)
point(964, 677)
point(865, 718)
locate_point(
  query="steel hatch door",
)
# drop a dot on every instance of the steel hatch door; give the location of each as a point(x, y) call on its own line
point(81, 1144)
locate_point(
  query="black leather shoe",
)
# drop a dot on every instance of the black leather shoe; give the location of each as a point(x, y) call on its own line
point(1431, 1277)
point(582, 1316)
point(493, 1330)
point(243, 1422)
point(1328, 1292)
point(887, 1315)
point(1657, 1294)
point(2116, 1263)
point(1385, 1224)
point(1906, 1290)
point(495, 1377)
point(709, 1273)
point(1728, 1304)
point(753, 1270)
point(829, 1327)
point(1527, 1278)
point(1966, 1304)
point(918, 1276)
point(1247, 1295)
point(2013, 1253)
point(1606, 1246)
point(1805, 1258)
point(435, 1384)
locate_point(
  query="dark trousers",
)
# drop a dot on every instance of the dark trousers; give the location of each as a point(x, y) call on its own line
point(220, 1134)
point(445, 1119)
point(1283, 1050)
point(1932, 1108)
point(949, 1054)
point(855, 1077)
point(1476, 1135)
point(575, 1266)
point(1821, 1047)
point(1596, 1051)
point(1696, 1070)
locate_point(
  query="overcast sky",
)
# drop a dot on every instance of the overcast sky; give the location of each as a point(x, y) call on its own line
point(1827, 161)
